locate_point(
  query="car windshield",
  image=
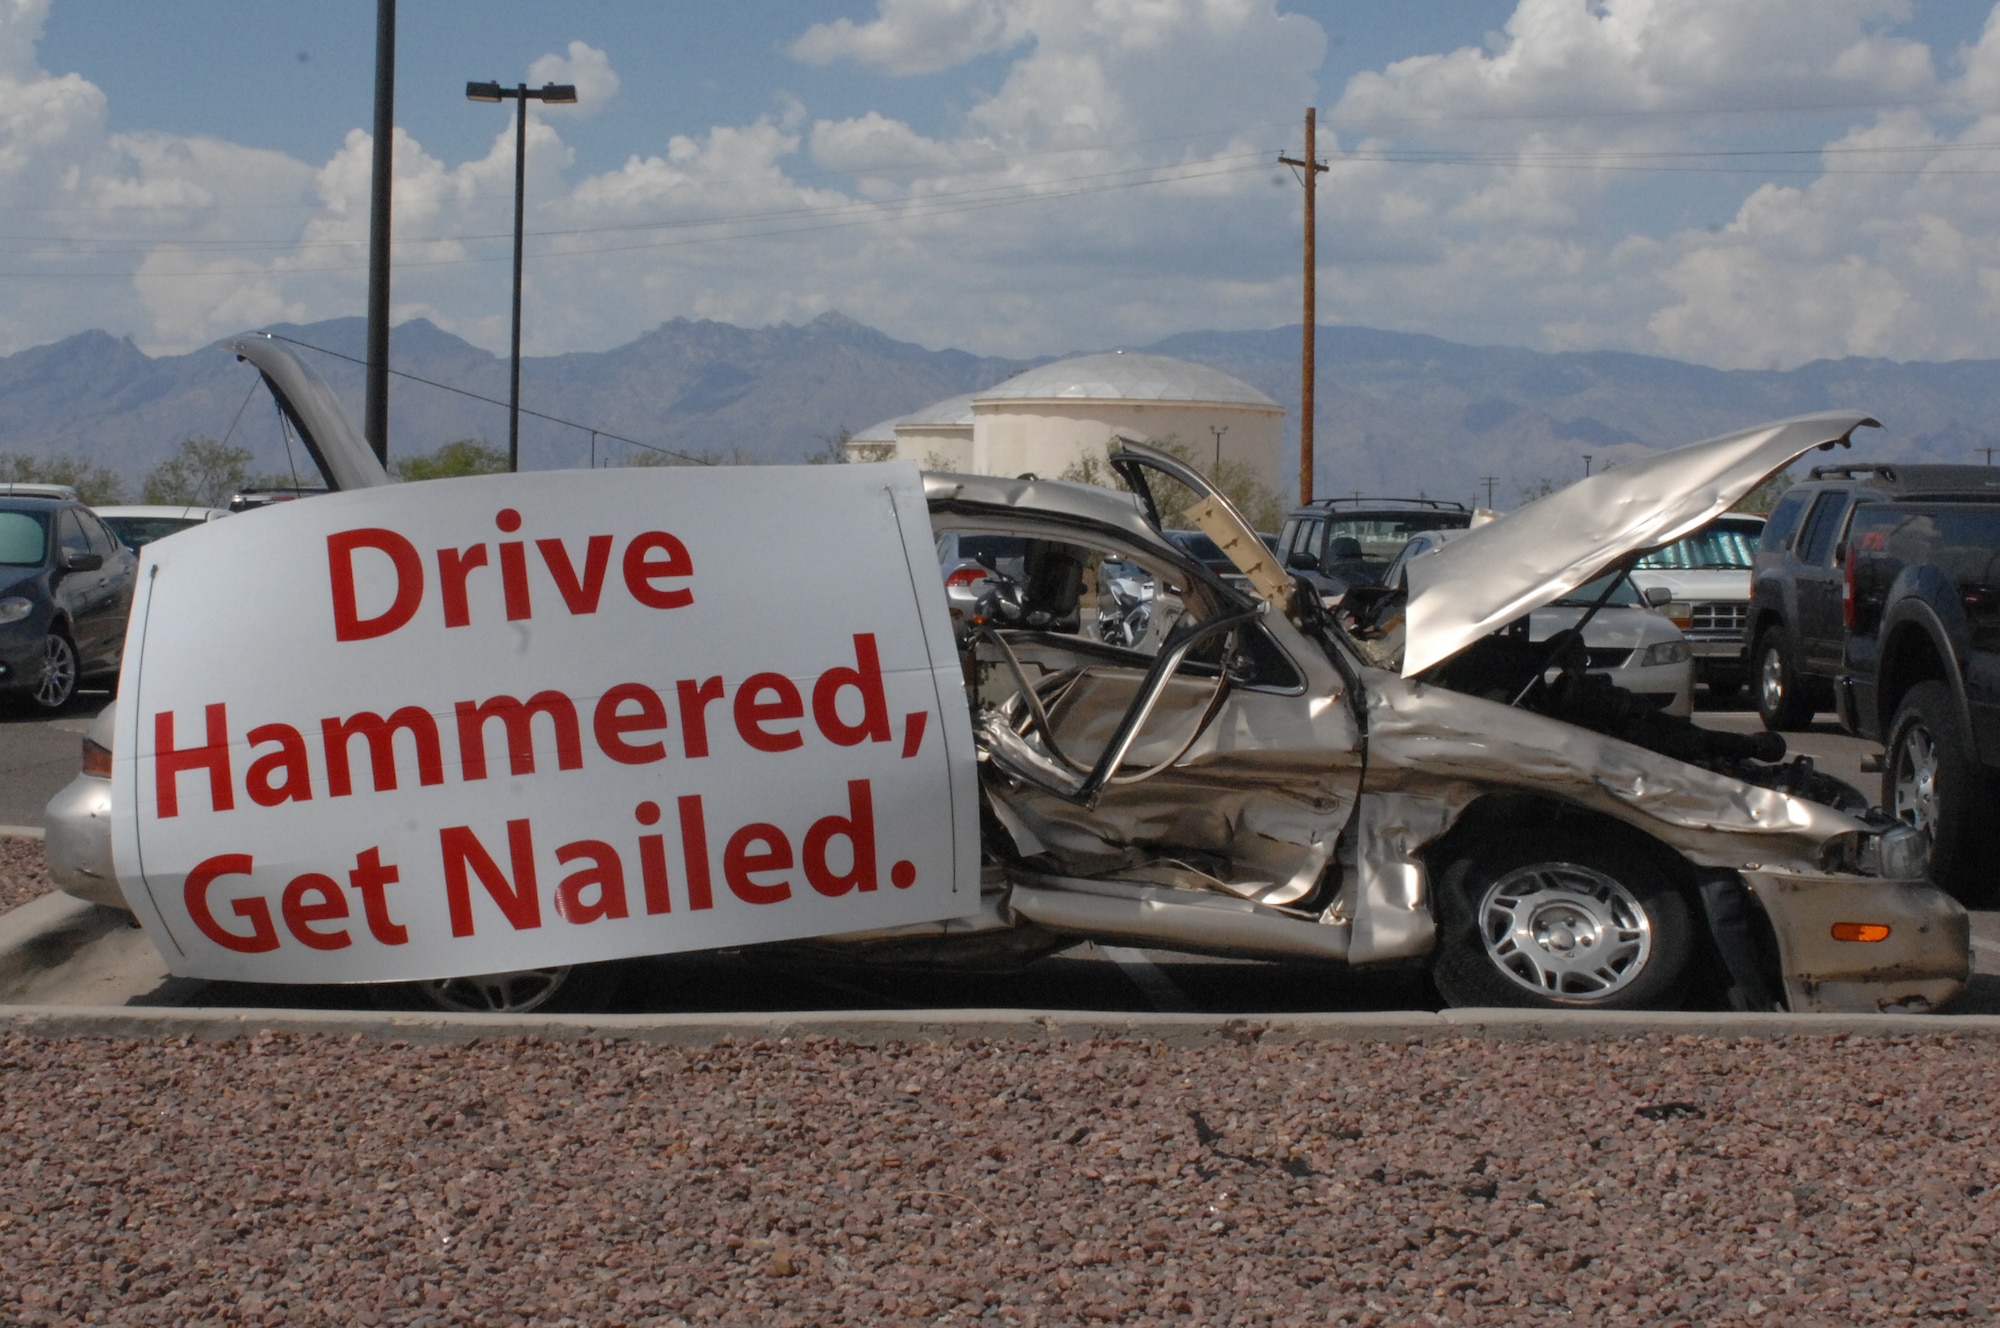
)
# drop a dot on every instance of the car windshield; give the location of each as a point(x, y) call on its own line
point(24, 538)
point(139, 531)
point(1383, 534)
point(1623, 596)
point(1721, 546)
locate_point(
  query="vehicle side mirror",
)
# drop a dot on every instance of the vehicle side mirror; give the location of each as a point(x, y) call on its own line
point(1301, 561)
point(75, 561)
point(1658, 595)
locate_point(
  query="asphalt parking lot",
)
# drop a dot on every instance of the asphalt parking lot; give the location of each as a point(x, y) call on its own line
point(38, 755)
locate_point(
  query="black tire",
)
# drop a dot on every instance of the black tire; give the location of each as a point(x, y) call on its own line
point(1784, 702)
point(564, 989)
point(1931, 780)
point(1562, 920)
point(55, 686)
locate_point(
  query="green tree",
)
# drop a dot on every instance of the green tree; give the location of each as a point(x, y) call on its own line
point(97, 485)
point(204, 473)
point(1759, 500)
point(467, 456)
point(832, 448)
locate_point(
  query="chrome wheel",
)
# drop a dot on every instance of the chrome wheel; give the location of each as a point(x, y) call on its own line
point(516, 992)
point(1771, 680)
point(1915, 779)
point(56, 683)
point(1562, 929)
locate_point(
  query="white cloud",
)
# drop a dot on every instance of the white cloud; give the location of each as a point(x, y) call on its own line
point(916, 36)
point(584, 67)
point(1030, 216)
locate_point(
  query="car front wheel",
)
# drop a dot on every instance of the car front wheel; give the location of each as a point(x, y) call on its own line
point(1930, 780)
point(55, 684)
point(1561, 920)
point(1782, 701)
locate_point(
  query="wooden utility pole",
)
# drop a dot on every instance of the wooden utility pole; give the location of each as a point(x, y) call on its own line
point(1310, 169)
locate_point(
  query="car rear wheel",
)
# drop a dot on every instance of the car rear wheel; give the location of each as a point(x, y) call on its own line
point(1561, 920)
point(565, 989)
point(55, 684)
point(1782, 699)
point(1930, 780)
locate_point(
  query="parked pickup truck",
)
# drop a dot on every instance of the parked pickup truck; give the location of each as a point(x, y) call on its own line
point(1921, 670)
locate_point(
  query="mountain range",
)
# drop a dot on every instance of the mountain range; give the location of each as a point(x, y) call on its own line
point(1396, 412)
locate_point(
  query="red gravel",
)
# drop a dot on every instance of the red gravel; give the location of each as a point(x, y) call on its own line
point(1647, 1180)
point(24, 873)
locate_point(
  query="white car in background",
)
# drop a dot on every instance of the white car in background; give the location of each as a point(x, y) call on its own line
point(1707, 576)
point(1626, 641)
point(140, 524)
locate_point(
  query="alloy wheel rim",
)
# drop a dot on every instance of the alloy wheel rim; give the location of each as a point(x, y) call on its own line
point(1563, 930)
point(58, 676)
point(514, 992)
point(1915, 780)
point(1771, 680)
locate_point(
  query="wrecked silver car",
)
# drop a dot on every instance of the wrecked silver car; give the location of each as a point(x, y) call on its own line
point(1408, 780)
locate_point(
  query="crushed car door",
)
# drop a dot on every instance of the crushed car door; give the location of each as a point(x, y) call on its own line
point(1214, 752)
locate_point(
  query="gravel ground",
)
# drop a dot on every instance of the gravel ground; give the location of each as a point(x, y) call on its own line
point(24, 874)
point(1648, 1180)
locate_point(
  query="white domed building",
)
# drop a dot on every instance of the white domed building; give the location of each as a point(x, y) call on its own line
point(1047, 420)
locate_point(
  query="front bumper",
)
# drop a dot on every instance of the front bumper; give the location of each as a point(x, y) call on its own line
point(78, 842)
point(1924, 962)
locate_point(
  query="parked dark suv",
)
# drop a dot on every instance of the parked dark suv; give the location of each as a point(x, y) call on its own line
point(65, 590)
point(1796, 632)
point(1338, 542)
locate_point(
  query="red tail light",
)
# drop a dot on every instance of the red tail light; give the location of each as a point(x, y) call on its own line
point(966, 576)
point(1847, 591)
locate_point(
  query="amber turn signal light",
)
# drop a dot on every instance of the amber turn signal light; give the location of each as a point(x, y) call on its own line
point(1860, 931)
point(96, 760)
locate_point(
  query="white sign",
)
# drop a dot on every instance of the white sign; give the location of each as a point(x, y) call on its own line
point(467, 726)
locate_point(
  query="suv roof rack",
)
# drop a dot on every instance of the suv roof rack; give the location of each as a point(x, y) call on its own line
point(1847, 470)
point(1439, 504)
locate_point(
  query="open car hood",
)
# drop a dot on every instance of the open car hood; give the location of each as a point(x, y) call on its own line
point(1514, 564)
point(336, 447)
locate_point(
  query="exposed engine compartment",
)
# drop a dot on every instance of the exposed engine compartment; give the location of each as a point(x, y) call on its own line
point(1551, 678)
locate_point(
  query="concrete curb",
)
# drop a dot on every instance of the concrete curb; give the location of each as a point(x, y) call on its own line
point(904, 1026)
point(44, 932)
point(22, 832)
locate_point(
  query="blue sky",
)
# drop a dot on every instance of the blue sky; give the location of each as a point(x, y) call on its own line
point(1736, 182)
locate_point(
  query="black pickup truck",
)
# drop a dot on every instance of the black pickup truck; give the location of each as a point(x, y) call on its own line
point(1920, 597)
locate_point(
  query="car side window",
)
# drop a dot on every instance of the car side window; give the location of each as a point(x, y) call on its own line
point(1309, 538)
point(102, 541)
point(1822, 523)
point(73, 538)
point(1784, 519)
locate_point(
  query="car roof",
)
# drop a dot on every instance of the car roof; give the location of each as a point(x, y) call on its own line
point(1905, 479)
point(190, 511)
point(1357, 506)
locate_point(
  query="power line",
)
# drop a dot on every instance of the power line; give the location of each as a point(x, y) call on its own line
point(688, 457)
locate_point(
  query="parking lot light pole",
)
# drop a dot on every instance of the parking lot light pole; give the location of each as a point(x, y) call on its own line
point(555, 94)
